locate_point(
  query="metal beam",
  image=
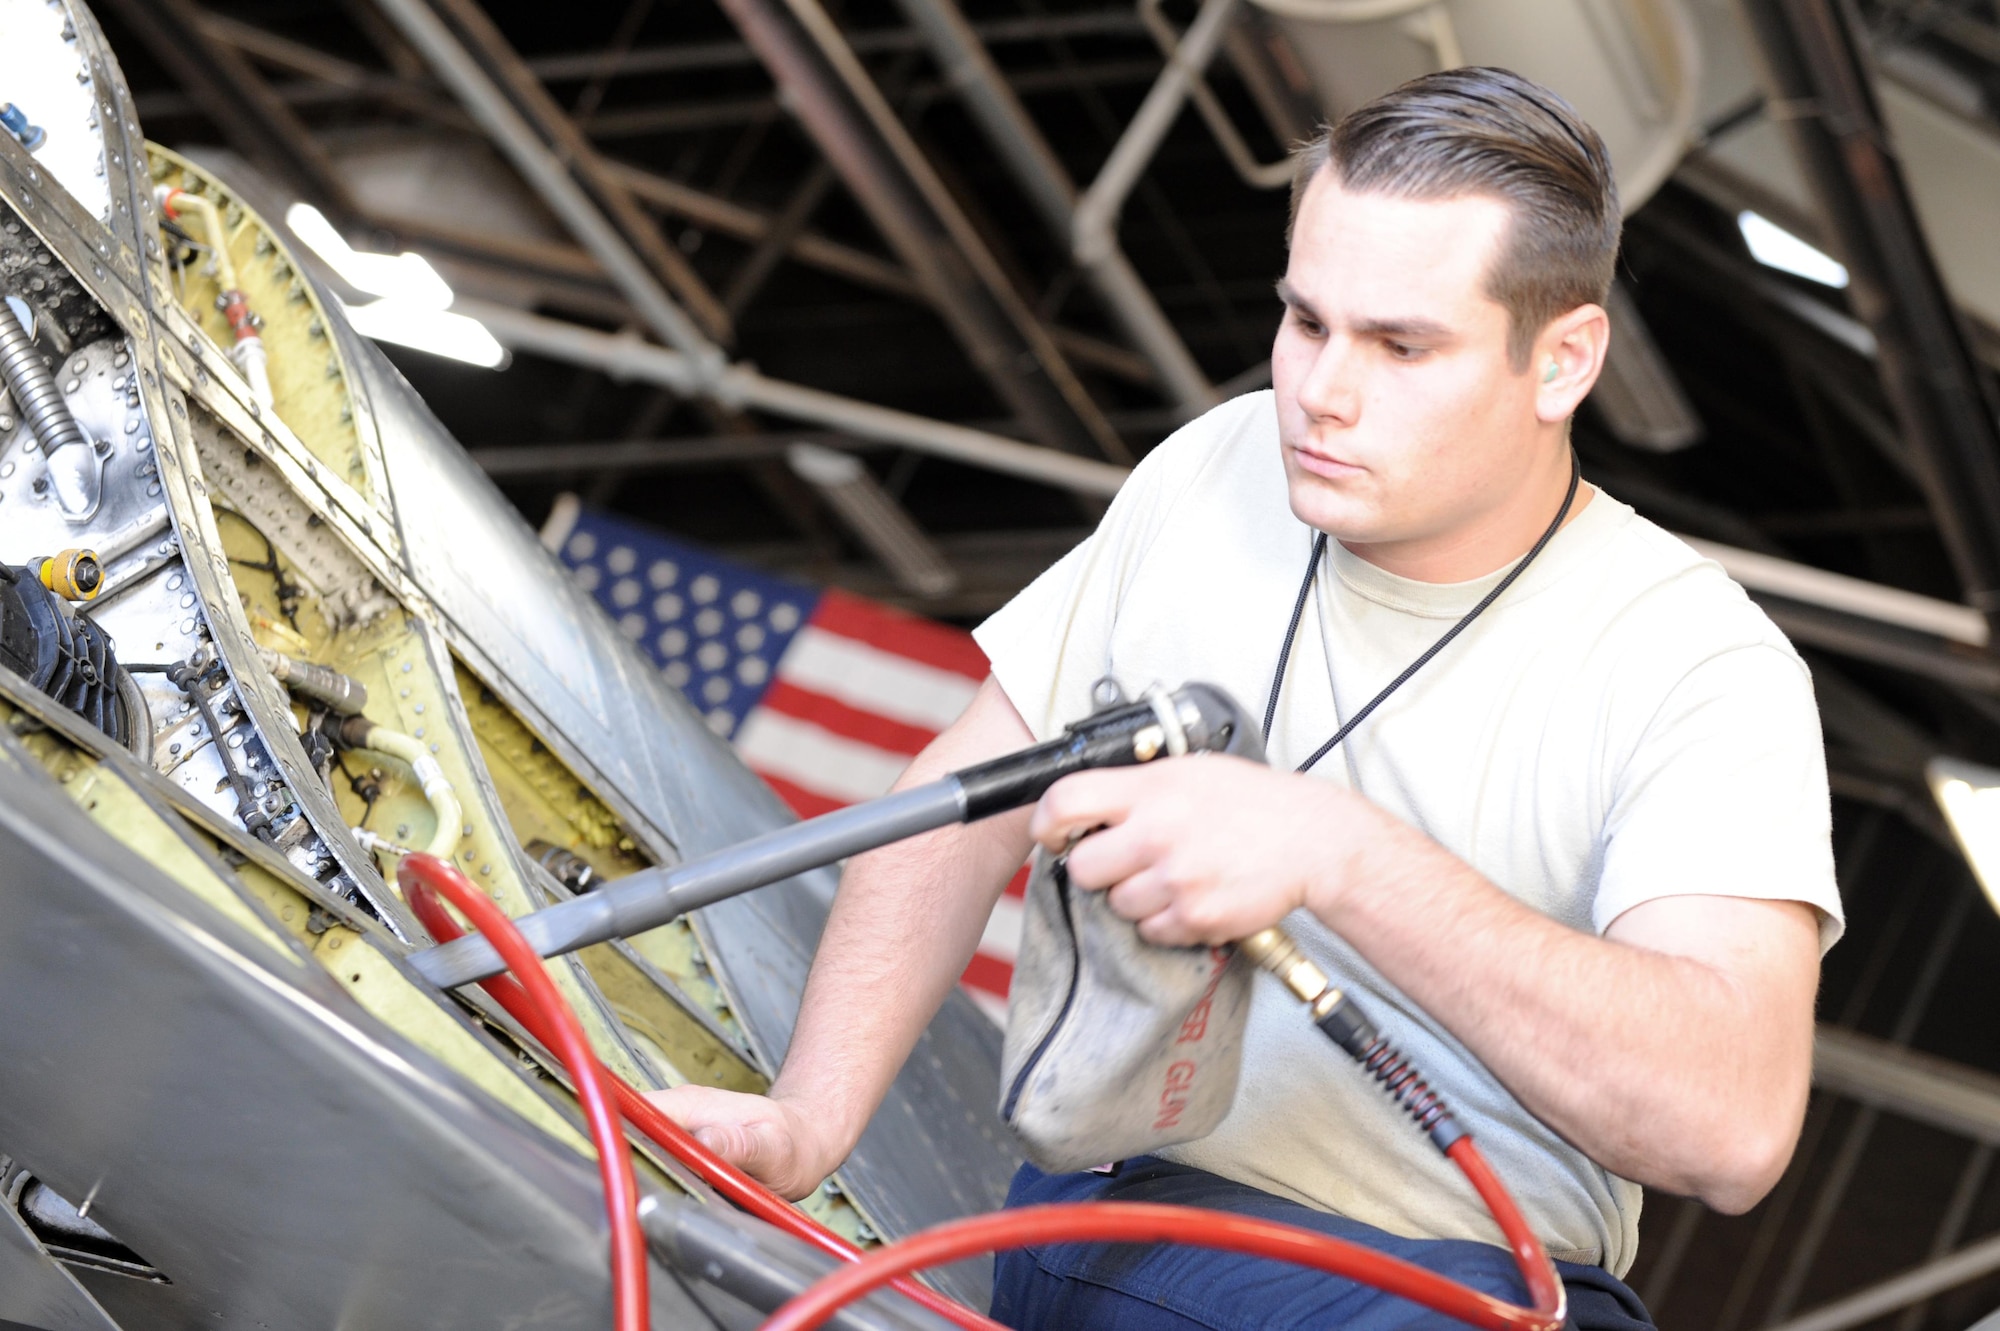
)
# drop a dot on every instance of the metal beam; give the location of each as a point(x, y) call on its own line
point(603, 216)
point(1115, 22)
point(1815, 65)
point(839, 105)
point(955, 45)
point(1949, 1096)
point(625, 357)
point(1913, 1286)
point(516, 461)
point(872, 514)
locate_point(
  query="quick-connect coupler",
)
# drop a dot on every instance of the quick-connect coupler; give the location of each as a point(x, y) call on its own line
point(1343, 1022)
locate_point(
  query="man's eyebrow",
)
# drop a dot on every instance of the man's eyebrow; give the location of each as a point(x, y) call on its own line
point(1413, 327)
point(1402, 328)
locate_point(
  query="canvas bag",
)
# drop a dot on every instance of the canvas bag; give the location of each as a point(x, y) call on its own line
point(1116, 1047)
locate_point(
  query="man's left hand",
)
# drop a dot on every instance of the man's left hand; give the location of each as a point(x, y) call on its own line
point(1205, 850)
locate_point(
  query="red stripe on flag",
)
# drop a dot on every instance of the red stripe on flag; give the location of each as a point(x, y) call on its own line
point(988, 973)
point(892, 630)
point(1017, 886)
point(803, 802)
point(848, 722)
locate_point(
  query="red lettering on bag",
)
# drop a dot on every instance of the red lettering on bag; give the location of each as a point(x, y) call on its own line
point(1195, 1028)
point(1173, 1096)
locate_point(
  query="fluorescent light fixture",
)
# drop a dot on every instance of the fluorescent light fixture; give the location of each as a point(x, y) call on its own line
point(1775, 247)
point(1970, 797)
point(414, 305)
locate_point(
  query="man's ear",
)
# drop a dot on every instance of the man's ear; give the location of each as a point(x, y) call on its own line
point(1568, 357)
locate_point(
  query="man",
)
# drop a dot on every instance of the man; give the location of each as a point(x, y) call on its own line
point(1577, 866)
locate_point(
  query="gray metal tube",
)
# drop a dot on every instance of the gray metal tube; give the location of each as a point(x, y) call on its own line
point(959, 53)
point(73, 465)
point(1094, 231)
point(651, 897)
point(756, 1263)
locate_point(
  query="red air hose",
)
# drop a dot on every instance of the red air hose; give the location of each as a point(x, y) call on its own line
point(564, 1036)
point(534, 1001)
point(731, 1182)
point(1147, 1222)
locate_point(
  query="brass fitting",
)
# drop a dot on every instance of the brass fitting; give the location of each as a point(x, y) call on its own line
point(74, 575)
point(1274, 950)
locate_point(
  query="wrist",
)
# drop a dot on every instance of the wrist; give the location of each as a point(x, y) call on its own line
point(823, 1135)
point(1350, 865)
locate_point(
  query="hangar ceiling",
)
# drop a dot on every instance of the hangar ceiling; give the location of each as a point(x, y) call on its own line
point(844, 222)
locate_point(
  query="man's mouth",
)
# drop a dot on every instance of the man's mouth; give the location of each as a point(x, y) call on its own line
point(1324, 464)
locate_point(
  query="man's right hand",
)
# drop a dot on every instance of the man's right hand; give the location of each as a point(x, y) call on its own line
point(771, 1139)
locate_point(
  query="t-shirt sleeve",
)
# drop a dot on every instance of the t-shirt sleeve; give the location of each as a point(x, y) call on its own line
point(1051, 642)
point(1726, 795)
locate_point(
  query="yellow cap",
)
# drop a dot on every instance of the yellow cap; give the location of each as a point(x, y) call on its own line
point(74, 575)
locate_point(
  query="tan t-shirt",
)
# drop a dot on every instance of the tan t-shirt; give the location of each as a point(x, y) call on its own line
point(1623, 724)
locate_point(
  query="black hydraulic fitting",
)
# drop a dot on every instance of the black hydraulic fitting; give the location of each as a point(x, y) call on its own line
point(565, 866)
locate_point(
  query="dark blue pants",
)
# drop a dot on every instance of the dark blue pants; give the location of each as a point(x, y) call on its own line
point(1136, 1287)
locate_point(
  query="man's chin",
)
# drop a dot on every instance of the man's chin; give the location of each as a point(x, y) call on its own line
point(1343, 517)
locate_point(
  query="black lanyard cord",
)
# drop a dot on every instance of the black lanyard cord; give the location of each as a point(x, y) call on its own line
point(1305, 589)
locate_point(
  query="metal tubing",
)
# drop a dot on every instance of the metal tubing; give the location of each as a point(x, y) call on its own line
point(490, 107)
point(1814, 62)
point(651, 897)
point(962, 58)
point(743, 386)
point(75, 470)
point(1093, 232)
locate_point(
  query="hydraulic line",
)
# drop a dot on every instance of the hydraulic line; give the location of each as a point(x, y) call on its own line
point(565, 1039)
point(74, 468)
point(358, 732)
point(338, 692)
point(248, 353)
point(189, 679)
point(732, 1183)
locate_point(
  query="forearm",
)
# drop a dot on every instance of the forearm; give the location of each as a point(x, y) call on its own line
point(1661, 1067)
point(905, 922)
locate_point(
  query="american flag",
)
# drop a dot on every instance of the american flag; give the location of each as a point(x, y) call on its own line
point(825, 695)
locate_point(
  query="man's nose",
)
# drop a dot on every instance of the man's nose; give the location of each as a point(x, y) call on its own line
point(1331, 389)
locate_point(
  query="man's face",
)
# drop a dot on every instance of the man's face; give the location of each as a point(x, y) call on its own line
point(1401, 417)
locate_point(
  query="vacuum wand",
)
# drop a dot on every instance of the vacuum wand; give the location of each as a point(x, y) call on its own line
point(1193, 718)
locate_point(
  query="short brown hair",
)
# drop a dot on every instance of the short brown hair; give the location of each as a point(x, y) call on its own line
point(1489, 131)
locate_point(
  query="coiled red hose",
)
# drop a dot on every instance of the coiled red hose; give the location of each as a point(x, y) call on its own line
point(732, 1183)
point(564, 1037)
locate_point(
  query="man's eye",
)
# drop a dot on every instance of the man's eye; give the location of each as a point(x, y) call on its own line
point(1404, 351)
point(1310, 327)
